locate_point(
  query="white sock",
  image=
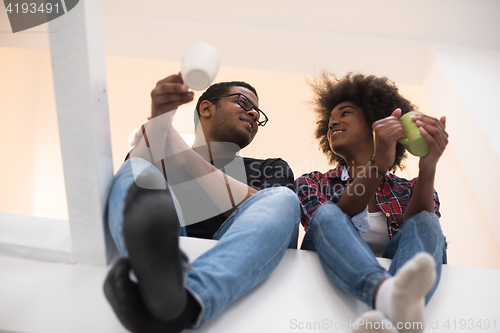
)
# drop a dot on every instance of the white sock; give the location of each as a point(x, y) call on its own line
point(402, 297)
point(374, 322)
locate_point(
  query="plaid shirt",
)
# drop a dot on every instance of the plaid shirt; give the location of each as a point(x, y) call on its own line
point(392, 195)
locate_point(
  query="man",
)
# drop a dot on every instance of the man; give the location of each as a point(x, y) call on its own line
point(254, 223)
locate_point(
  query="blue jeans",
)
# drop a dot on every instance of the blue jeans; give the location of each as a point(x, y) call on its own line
point(251, 243)
point(350, 263)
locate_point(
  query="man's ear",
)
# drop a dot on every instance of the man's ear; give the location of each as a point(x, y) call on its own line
point(205, 109)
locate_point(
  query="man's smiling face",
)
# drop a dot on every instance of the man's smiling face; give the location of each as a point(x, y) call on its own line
point(231, 123)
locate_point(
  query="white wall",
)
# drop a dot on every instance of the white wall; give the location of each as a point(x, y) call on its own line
point(459, 86)
point(281, 52)
point(284, 98)
point(475, 74)
point(32, 178)
point(289, 134)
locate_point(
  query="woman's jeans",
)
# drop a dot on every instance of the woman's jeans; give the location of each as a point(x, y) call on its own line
point(350, 263)
point(251, 242)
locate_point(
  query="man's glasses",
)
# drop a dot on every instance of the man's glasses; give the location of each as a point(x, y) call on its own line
point(245, 103)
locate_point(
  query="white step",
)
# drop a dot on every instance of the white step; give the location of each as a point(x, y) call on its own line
point(58, 298)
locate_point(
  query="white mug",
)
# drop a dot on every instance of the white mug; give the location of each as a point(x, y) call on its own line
point(200, 64)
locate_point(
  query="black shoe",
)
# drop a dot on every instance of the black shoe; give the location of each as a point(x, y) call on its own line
point(151, 232)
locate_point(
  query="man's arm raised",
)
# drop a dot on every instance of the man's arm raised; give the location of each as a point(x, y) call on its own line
point(161, 141)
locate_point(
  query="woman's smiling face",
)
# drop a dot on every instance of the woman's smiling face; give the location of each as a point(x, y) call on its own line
point(348, 129)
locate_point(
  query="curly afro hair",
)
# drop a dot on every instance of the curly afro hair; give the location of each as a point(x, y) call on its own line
point(378, 97)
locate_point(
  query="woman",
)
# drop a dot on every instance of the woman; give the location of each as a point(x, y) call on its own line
point(360, 209)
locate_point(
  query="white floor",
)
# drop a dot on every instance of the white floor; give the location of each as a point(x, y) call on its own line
point(58, 298)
